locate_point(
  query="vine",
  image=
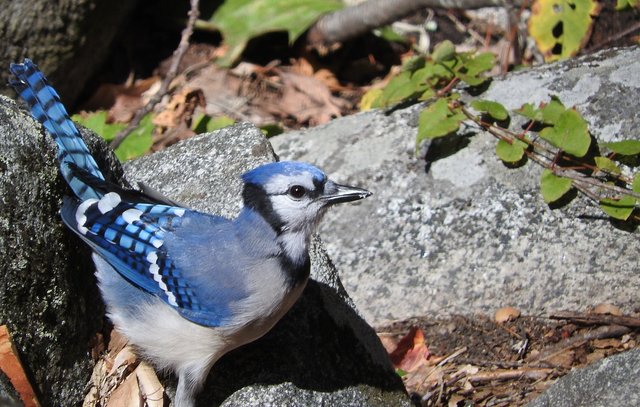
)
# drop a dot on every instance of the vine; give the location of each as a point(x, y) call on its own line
point(555, 137)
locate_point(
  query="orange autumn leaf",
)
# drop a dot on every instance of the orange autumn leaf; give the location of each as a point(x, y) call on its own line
point(412, 351)
point(11, 366)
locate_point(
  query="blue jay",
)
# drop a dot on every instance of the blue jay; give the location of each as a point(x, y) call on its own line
point(183, 286)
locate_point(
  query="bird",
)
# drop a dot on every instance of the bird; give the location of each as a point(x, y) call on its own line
point(170, 275)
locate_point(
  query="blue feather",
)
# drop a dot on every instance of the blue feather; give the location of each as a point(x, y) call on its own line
point(47, 108)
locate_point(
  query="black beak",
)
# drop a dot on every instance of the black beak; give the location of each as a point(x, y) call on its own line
point(344, 193)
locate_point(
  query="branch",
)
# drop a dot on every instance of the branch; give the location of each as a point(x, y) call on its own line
point(171, 74)
point(353, 21)
point(597, 319)
point(603, 332)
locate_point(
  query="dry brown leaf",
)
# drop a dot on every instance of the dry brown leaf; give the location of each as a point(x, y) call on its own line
point(605, 308)
point(412, 351)
point(125, 358)
point(117, 342)
point(307, 100)
point(127, 394)
point(12, 368)
point(595, 356)
point(424, 377)
point(302, 66)
point(563, 359)
point(150, 388)
point(329, 79)
point(606, 343)
point(180, 108)
point(122, 100)
point(506, 314)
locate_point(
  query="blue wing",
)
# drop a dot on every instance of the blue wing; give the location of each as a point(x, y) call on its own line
point(126, 228)
point(131, 237)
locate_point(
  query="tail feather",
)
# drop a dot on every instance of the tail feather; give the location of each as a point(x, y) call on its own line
point(47, 108)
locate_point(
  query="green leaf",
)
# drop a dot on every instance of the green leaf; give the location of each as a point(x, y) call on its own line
point(493, 109)
point(272, 129)
point(618, 208)
point(551, 111)
point(603, 163)
point(241, 20)
point(138, 142)
point(438, 120)
point(444, 51)
point(561, 27)
point(623, 4)
point(371, 99)
point(527, 110)
point(97, 122)
point(511, 152)
point(431, 74)
point(388, 34)
point(553, 187)
point(428, 94)
point(625, 147)
point(635, 185)
point(479, 63)
point(398, 89)
point(470, 79)
point(413, 64)
point(206, 124)
point(569, 133)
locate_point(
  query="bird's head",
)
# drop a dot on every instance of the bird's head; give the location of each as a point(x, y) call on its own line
point(293, 196)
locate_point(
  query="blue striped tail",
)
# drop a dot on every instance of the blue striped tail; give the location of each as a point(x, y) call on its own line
point(47, 108)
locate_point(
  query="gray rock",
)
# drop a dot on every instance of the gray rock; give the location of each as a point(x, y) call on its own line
point(459, 232)
point(48, 294)
point(610, 382)
point(321, 350)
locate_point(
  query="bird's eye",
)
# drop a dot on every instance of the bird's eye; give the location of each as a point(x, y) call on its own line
point(297, 191)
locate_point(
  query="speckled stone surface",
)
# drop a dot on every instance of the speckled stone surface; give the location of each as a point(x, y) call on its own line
point(610, 382)
point(48, 294)
point(461, 233)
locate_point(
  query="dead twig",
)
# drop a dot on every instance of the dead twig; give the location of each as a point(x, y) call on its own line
point(597, 319)
point(171, 74)
point(511, 374)
point(603, 332)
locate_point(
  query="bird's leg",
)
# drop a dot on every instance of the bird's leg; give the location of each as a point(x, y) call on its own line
point(191, 378)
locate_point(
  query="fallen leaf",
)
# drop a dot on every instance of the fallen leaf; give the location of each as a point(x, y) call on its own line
point(150, 388)
point(306, 99)
point(412, 351)
point(180, 108)
point(125, 358)
point(127, 394)
point(605, 308)
point(606, 343)
point(564, 359)
point(122, 100)
point(506, 314)
point(12, 368)
point(595, 356)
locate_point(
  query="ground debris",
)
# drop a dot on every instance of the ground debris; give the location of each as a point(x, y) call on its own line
point(478, 361)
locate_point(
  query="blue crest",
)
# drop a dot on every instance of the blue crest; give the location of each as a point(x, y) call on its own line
point(262, 174)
